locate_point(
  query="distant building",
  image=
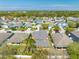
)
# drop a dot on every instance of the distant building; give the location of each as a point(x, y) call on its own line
point(63, 24)
point(73, 18)
point(28, 25)
point(75, 35)
point(4, 26)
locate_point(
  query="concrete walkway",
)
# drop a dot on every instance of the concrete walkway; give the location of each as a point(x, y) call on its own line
point(53, 57)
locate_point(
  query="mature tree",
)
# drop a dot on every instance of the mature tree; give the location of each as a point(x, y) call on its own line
point(72, 24)
point(77, 24)
point(22, 28)
point(14, 29)
point(73, 50)
point(56, 28)
point(40, 54)
point(45, 26)
point(68, 29)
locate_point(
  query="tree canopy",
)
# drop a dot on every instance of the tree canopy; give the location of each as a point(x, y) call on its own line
point(73, 50)
point(40, 54)
point(40, 13)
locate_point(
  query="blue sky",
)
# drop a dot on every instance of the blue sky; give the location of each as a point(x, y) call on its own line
point(39, 4)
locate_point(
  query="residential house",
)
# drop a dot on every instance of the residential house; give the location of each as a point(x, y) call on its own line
point(18, 38)
point(38, 21)
point(4, 37)
point(75, 36)
point(41, 38)
point(73, 19)
point(61, 40)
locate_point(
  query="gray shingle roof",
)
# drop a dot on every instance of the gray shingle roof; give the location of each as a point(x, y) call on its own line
point(4, 36)
point(61, 40)
point(18, 37)
point(41, 38)
point(42, 34)
point(38, 21)
point(75, 33)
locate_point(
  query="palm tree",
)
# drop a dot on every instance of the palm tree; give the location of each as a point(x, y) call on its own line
point(30, 45)
point(40, 54)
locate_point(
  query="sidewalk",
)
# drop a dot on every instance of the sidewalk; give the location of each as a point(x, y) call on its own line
point(27, 56)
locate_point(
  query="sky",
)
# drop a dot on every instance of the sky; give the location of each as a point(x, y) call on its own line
point(39, 4)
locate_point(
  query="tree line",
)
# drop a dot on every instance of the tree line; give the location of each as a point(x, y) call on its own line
point(40, 13)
